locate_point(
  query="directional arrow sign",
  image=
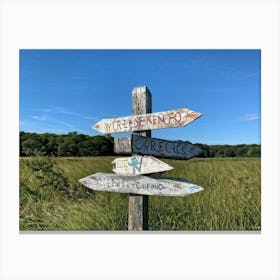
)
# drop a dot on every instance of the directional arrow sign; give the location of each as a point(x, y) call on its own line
point(139, 165)
point(174, 118)
point(139, 184)
point(155, 147)
point(163, 148)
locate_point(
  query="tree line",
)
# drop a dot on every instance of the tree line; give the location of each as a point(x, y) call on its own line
point(65, 145)
point(74, 145)
point(242, 150)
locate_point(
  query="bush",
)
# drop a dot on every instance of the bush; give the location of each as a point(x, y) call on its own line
point(46, 177)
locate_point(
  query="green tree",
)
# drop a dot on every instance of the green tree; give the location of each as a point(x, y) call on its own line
point(31, 146)
point(229, 152)
point(52, 145)
point(254, 151)
point(68, 148)
point(87, 148)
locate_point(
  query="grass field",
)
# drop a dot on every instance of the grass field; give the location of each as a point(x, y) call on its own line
point(52, 199)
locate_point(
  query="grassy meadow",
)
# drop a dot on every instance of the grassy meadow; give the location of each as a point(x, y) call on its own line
point(51, 198)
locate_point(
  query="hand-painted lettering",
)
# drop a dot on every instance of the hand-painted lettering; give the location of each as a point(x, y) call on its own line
point(158, 147)
point(160, 118)
point(124, 123)
point(149, 119)
point(108, 126)
point(154, 119)
point(153, 143)
point(136, 165)
point(115, 125)
point(178, 117)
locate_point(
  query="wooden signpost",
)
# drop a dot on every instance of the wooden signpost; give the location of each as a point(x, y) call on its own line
point(128, 177)
point(155, 147)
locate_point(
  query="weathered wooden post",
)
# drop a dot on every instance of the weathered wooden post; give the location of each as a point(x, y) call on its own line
point(138, 204)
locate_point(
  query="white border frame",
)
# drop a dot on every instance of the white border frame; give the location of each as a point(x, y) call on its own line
point(146, 24)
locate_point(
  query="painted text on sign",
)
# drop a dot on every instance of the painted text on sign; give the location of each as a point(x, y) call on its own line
point(174, 118)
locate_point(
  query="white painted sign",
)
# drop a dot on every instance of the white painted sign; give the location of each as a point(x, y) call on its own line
point(168, 119)
point(139, 184)
point(136, 165)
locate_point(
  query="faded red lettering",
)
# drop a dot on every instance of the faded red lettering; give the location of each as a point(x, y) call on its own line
point(130, 123)
point(115, 128)
point(135, 123)
point(108, 126)
point(149, 120)
point(160, 119)
point(167, 118)
point(124, 124)
point(119, 125)
point(178, 117)
point(171, 115)
point(141, 121)
point(154, 119)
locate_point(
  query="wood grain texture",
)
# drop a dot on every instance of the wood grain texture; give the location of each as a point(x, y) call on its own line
point(138, 214)
point(122, 145)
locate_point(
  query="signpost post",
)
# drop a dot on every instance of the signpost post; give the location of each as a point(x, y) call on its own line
point(138, 204)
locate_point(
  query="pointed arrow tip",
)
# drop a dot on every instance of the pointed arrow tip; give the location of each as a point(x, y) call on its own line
point(96, 126)
point(193, 115)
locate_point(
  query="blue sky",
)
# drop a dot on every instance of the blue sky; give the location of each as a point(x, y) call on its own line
point(71, 90)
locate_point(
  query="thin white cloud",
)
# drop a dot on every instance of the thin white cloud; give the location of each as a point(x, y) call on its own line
point(39, 118)
point(60, 110)
point(46, 110)
point(250, 117)
point(65, 124)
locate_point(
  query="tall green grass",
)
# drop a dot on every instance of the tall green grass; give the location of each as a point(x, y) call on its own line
point(52, 199)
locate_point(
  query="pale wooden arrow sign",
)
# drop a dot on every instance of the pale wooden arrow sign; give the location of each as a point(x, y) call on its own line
point(136, 165)
point(155, 147)
point(139, 184)
point(168, 119)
